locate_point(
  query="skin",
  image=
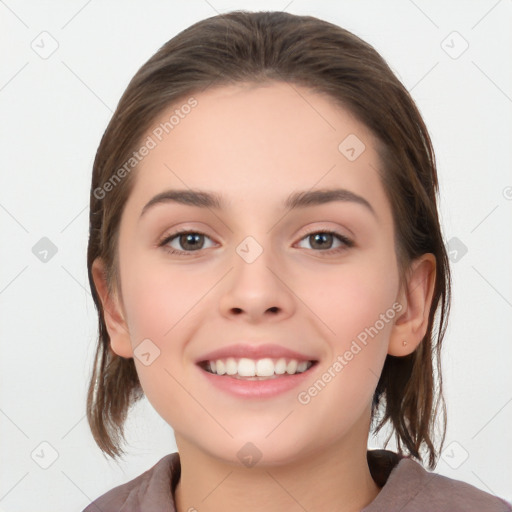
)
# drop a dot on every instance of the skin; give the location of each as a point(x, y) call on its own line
point(255, 145)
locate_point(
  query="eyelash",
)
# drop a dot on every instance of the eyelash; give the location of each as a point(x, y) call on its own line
point(343, 239)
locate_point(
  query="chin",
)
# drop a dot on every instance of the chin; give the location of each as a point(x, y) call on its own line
point(257, 450)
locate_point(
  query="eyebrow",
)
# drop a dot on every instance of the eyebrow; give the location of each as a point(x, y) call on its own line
point(296, 200)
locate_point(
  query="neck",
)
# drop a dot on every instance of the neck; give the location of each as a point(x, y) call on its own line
point(334, 478)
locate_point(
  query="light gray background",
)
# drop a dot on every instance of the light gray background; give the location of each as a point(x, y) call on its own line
point(54, 111)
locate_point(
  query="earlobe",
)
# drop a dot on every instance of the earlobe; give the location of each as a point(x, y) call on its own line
point(112, 312)
point(416, 298)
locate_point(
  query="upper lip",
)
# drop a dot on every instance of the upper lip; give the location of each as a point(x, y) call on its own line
point(254, 352)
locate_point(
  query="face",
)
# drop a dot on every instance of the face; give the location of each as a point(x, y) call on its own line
point(317, 282)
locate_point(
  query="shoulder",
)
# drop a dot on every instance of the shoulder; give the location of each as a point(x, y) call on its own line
point(150, 489)
point(411, 488)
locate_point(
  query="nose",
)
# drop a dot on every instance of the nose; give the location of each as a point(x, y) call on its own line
point(258, 290)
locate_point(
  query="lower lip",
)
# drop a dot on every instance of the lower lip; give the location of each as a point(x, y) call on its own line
point(257, 388)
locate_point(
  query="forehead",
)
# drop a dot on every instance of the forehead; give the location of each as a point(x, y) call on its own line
point(259, 141)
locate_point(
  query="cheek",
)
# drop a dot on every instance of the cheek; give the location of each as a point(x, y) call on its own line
point(357, 307)
point(159, 307)
point(354, 298)
point(163, 305)
point(157, 298)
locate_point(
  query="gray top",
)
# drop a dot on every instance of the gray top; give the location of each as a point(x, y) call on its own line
point(405, 486)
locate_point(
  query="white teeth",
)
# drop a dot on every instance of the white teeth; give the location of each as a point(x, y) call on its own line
point(292, 366)
point(221, 367)
point(301, 367)
point(266, 367)
point(231, 367)
point(280, 366)
point(246, 367)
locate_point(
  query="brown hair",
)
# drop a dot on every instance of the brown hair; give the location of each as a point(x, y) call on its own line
point(260, 47)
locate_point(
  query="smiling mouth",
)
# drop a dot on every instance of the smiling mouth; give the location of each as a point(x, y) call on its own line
point(256, 369)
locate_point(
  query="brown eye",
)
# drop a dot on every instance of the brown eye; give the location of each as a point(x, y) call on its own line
point(185, 242)
point(191, 241)
point(321, 241)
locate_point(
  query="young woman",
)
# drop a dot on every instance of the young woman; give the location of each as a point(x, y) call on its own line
point(268, 266)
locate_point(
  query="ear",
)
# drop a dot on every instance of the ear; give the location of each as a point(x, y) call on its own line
point(112, 312)
point(416, 298)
